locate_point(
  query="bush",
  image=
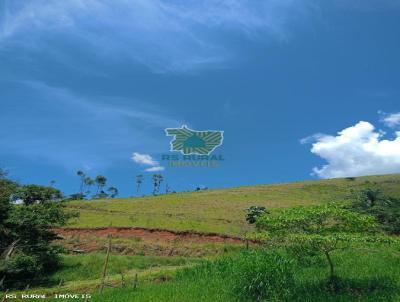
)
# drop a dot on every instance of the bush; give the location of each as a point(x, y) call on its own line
point(249, 275)
point(22, 269)
point(261, 275)
point(254, 212)
point(384, 208)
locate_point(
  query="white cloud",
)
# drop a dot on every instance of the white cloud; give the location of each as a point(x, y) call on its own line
point(356, 151)
point(311, 138)
point(163, 35)
point(144, 159)
point(147, 160)
point(155, 169)
point(391, 120)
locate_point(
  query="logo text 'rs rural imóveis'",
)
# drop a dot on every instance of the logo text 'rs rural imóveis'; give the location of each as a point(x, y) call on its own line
point(190, 141)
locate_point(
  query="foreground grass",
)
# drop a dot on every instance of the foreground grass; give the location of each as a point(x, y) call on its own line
point(90, 266)
point(219, 211)
point(369, 274)
point(82, 273)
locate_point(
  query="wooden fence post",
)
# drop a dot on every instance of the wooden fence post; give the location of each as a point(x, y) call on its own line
point(122, 280)
point(103, 277)
point(135, 282)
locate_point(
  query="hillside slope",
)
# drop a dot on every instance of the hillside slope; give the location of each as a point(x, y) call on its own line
point(219, 211)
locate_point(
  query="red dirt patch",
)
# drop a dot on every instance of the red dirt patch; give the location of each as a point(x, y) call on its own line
point(149, 234)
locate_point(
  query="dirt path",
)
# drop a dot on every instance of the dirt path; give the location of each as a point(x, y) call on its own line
point(150, 234)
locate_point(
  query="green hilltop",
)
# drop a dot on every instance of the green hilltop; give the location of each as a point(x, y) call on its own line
point(220, 211)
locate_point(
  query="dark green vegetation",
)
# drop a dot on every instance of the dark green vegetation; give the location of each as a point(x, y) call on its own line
point(386, 209)
point(254, 212)
point(27, 252)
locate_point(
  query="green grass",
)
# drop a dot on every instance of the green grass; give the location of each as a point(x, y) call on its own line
point(219, 211)
point(82, 273)
point(90, 266)
point(370, 274)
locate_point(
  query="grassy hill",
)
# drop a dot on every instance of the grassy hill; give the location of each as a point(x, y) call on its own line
point(219, 211)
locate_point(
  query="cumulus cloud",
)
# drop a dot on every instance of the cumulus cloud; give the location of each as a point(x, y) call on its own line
point(357, 150)
point(147, 160)
point(144, 159)
point(391, 120)
point(162, 35)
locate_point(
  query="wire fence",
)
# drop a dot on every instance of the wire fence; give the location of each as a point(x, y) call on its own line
point(21, 284)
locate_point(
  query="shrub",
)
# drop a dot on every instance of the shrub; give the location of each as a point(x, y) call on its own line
point(254, 212)
point(385, 209)
point(250, 275)
point(259, 275)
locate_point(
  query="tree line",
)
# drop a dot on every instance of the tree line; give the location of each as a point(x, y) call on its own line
point(95, 188)
point(99, 183)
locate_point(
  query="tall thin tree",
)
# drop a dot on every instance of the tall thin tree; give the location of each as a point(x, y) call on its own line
point(101, 181)
point(82, 176)
point(157, 180)
point(139, 181)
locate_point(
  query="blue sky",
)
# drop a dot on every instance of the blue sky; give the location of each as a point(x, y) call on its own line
point(302, 89)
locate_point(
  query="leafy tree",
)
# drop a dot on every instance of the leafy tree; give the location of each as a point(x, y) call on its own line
point(157, 180)
point(139, 181)
point(30, 194)
point(31, 227)
point(384, 208)
point(320, 229)
point(3, 173)
point(88, 183)
point(7, 188)
point(254, 212)
point(27, 232)
point(100, 181)
point(85, 184)
point(113, 191)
